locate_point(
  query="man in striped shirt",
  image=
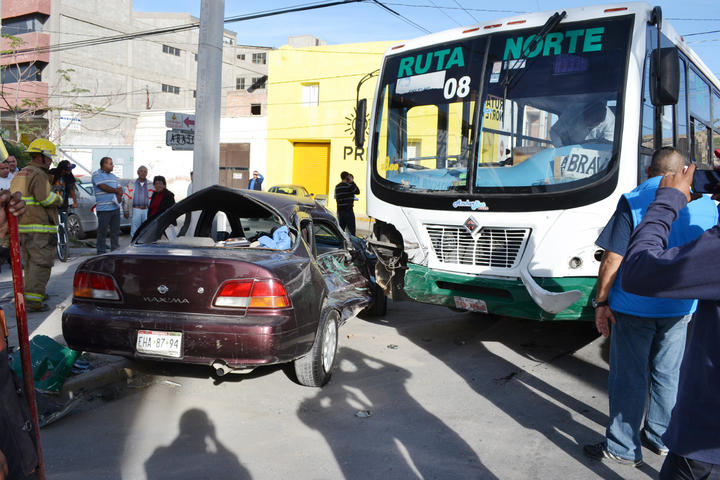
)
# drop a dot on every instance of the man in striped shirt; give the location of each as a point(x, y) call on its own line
point(345, 192)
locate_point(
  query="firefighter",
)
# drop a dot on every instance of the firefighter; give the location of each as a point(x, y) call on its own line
point(38, 227)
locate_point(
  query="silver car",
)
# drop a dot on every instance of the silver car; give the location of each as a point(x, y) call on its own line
point(82, 219)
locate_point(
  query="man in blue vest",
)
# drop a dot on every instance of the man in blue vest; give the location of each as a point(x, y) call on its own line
point(648, 334)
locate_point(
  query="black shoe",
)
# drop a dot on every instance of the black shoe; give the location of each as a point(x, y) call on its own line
point(599, 452)
point(662, 451)
point(36, 307)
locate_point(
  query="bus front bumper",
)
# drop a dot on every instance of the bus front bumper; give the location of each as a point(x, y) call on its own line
point(511, 297)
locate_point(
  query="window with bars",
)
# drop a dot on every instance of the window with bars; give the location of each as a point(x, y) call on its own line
point(170, 89)
point(240, 83)
point(171, 50)
point(260, 58)
point(310, 95)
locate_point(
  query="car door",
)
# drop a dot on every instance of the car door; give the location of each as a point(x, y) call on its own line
point(349, 290)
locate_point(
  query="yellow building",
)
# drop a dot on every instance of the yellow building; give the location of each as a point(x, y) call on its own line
point(311, 114)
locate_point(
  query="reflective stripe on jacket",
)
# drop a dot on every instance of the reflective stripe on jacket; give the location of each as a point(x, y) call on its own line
point(41, 214)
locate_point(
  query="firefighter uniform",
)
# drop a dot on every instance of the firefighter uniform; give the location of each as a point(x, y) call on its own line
point(38, 230)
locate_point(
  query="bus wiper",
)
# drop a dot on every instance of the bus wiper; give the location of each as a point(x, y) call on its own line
point(549, 26)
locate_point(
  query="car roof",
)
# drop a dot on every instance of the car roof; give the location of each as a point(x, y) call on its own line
point(287, 205)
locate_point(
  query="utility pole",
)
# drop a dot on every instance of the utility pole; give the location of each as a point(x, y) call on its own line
point(206, 157)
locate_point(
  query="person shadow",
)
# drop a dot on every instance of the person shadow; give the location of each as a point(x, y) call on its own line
point(195, 453)
point(376, 429)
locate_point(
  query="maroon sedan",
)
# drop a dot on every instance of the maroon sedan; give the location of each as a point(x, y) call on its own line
point(232, 279)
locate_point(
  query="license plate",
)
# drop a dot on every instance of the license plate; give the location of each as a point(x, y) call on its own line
point(153, 342)
point(471, 304)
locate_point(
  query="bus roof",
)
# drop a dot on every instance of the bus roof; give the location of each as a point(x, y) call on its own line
point(538, 19)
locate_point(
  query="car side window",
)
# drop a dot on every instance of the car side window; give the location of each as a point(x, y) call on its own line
point(327, 238)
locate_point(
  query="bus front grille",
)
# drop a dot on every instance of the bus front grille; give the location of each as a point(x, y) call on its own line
point(497, 247)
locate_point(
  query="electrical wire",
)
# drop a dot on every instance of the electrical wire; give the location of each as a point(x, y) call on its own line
point(445, 13)
point(466, 11)
point(401, 17)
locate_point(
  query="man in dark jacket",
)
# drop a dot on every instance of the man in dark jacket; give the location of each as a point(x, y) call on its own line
point(345, 192)
point(686, 271)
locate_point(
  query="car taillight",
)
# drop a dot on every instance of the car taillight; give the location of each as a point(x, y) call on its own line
point(248, 293)
point(95, 285)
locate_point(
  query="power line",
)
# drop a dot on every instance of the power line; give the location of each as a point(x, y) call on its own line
point(415, 5)
point(466, 11)
point(700, 33)
point(175, 29)
point(446, 14)
point(401, 17)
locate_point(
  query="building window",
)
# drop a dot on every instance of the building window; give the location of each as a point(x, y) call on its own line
point(241, 57)
point(171, 50)
point(310, 95)
point(196, 57)
point(170, 89)
point(240, 83)
point(22, 72)
point(227, 41)
point(24, 24)
point(194, 93)
point(255, 109)
point(260, 58)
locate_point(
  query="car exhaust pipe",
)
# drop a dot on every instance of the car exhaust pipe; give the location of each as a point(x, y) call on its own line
point(221, 368)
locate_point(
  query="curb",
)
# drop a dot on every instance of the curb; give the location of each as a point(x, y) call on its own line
point(115, 371)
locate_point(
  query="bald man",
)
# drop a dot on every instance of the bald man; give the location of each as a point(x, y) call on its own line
point(648, 334)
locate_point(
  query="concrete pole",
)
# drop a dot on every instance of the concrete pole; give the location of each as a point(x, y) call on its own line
point(206, 158)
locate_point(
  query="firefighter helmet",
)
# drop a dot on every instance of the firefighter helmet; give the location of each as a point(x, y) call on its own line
point(42, 146)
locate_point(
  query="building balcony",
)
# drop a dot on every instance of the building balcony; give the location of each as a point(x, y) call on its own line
point(16, 8)
point(29, 41)
point(15, 94)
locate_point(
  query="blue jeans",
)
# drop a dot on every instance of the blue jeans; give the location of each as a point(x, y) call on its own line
point(644, 352)
point(108, 218)
point(138, 216)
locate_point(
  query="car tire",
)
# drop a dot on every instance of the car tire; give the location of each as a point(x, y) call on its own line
point(315, 368)
point(74, 227)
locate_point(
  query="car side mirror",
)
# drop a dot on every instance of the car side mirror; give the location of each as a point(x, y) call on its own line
point(360, 111)
point(664, 76)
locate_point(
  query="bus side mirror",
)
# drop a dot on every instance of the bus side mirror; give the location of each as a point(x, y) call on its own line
point(360, 111)
point(664, 77)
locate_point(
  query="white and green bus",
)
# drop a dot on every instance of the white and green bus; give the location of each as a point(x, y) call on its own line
point(497, 152)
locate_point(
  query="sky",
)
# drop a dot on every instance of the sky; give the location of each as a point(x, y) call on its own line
point(366, 21)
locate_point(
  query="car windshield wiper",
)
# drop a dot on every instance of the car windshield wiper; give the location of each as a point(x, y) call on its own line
point(549, 26)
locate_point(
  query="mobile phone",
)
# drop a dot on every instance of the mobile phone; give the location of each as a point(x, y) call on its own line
point(706, 181)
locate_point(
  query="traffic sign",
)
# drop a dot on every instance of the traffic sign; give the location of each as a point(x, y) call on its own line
point(184, 121)
point(180, 139)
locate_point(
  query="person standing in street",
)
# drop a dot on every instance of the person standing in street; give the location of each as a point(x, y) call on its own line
point(689, 270)
point(38, 226)
point(5, 177)
point(12, 163)
point(136, 200)
point(64, 185)
point(107, 197)
point(162, 199)
point(345, 192)
point(647, 335)
point(256, 181)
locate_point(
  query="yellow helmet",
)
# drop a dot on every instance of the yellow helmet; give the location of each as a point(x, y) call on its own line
point(43, 146)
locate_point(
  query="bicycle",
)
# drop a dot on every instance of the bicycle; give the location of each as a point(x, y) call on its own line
point(63, 249)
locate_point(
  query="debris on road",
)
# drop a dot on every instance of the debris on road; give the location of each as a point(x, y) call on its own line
point(392, 346)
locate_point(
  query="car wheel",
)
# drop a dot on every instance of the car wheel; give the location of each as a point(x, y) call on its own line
point(315, 368)
point(74, 227)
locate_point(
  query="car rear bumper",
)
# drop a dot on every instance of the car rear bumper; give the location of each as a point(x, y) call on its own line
point(240, 342)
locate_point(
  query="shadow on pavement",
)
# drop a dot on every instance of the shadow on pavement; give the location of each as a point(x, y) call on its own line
point(401, 440)
point(195, 453)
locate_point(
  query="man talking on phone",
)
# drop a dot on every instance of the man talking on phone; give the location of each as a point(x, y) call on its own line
point(655, 268)
point(647, 335)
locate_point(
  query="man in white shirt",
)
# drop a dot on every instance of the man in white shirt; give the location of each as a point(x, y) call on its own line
point(5, 176)
point(12, 163)
point(594, 123)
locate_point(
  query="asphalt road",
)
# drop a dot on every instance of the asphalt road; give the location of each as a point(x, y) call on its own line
point(421, 393)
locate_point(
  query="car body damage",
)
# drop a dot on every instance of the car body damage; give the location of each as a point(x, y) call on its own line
point(208, 283)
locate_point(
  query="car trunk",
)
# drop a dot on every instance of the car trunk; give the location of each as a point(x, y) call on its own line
point(179, 280)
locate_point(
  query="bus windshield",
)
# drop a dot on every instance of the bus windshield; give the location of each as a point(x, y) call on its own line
point(487, 115)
